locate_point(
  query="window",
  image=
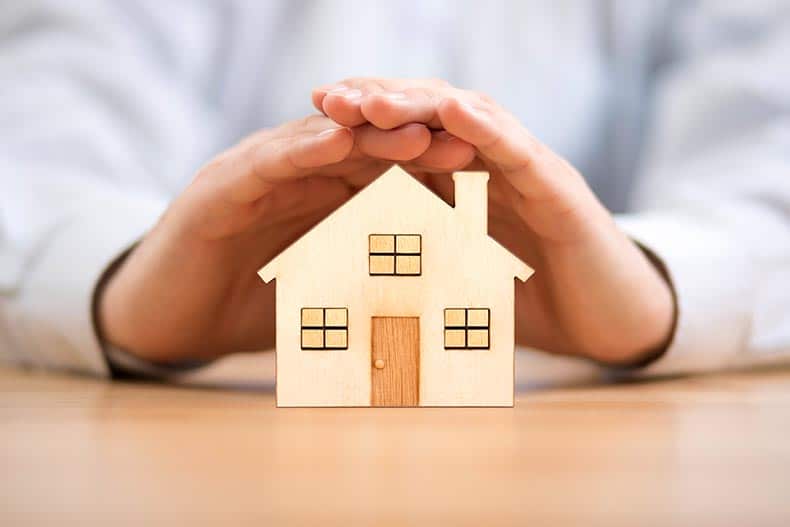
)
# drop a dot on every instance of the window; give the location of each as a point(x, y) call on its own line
point(324, 328)
point(466, 328)
point(395, 254)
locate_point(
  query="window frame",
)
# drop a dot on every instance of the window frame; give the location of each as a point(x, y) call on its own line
point(323, 328)
point(466, 327)
point(394, 254)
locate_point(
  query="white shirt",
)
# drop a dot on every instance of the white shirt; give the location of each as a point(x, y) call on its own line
point(678, 114)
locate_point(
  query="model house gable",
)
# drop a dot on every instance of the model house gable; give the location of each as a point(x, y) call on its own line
point(395, 206)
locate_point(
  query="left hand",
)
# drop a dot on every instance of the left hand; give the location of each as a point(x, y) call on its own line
point(594, 292)
point(189, 290)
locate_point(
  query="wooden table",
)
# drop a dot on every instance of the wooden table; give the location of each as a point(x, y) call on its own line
point(698, 451)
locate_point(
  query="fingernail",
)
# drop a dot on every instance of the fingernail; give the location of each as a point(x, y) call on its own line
point(393, 95)
point(327, 132)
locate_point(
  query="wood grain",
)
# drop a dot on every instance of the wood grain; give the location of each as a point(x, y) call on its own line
point(396, 342)
point(707, 451)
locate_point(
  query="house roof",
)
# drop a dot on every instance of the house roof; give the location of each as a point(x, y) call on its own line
point(268, 272)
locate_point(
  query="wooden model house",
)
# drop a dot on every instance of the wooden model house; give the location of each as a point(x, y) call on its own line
point(398, 299)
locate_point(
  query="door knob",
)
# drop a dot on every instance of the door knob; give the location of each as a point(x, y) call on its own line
point(379, 364)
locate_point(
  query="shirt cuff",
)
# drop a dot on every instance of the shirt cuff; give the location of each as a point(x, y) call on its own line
point(712, 278)
point(56, 298)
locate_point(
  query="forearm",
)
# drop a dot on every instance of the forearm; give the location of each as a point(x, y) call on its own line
point(215, 297)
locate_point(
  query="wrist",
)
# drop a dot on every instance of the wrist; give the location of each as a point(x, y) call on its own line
point(111, 311)
point(128, 308)
point(644, 323)
point(667, 315)
point(614, 302)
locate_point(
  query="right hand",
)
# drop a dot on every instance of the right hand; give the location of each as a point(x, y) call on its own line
point(190, 289)
point(596, 293)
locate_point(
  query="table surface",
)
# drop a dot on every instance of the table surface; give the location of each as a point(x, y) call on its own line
point(711, 450)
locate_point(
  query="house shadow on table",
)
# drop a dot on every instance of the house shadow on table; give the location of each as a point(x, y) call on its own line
point(536, 373)
point(255, 372)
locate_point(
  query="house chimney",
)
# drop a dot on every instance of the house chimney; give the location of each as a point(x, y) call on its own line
point(471, 199)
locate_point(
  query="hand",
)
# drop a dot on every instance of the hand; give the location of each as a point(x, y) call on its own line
point(594, 292)
point(190, 290)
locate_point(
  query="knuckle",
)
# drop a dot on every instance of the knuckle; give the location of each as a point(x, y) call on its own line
point(285, 150)
point(309, 122)
point(251, 160)
point(482, 96)
point(304, 122)
point(372, 86)
point(255, 138)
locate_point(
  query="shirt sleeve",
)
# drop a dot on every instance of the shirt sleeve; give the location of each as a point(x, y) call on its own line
point(97, 130)
point(713, 202)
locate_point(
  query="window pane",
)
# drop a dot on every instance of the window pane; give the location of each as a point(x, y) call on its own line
point(477, 338)
point(336, 317)
point(408, 243)
point(382, 264)
point(382, 243)
point(454, 338)
point(312, 338)
point(454, 317)
point(313, 317)
point(337, 338)
point(477, 317)
point(467, 328)
point(407, 265)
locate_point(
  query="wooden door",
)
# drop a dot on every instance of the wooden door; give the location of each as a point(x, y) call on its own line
point(395, 359)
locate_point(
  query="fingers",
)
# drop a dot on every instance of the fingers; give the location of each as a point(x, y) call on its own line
point(315, 145)
point(342, 101)
point(446, 153)
point(344, 107)
point(414, 146)
point(532, 168)
point(386, 103)
point(350, 89)
point(389, 104)
point(495, 134)
point(390, 109)
point(402, 144)
point(248, 171)
point(544, 189)
point(471, 117)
